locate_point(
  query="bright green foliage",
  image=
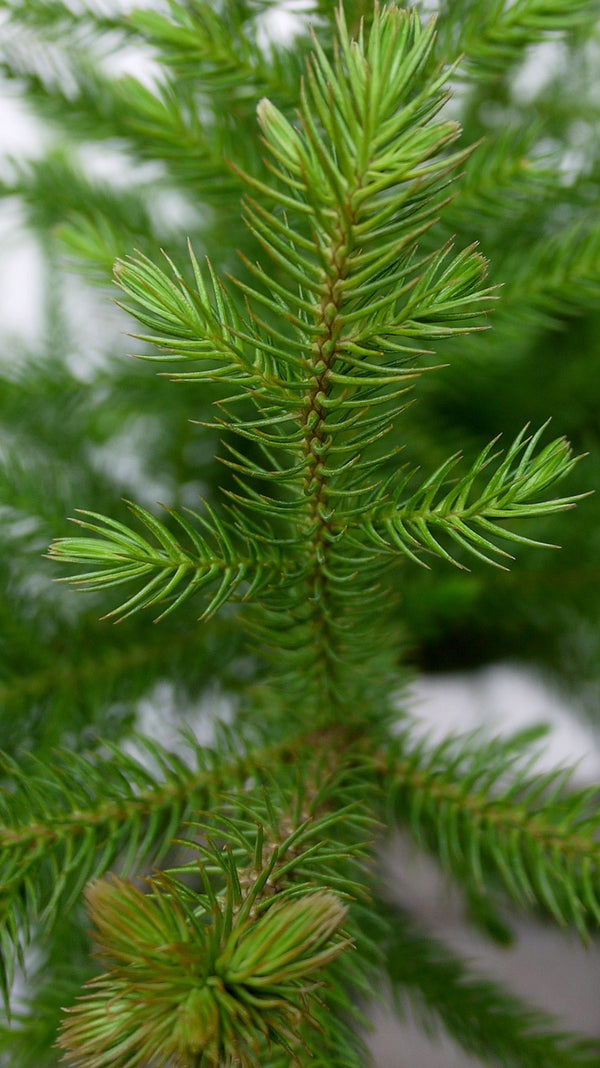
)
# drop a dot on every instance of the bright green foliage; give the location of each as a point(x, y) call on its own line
point(129, 556)
point(358, 274)
point(359, 181)
point(216, 988)
point(507, 495)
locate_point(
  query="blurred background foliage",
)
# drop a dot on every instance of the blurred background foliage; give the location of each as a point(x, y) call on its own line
point(132, 130)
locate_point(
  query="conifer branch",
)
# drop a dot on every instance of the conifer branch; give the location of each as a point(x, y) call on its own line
point(340, 171)
point(532, 835)
point(68, 822)
point(309, 356)
point(336, 351)
point(98, 221)
point(500, 180)
point(55, 17)
point(467, 514)
point(196, 325)
point(562, 277)
point(493, 38)
point(153, 124)
point(121, 554)
point(53, 678)
point(241, 949)
point(223, 47)
point(257, 976)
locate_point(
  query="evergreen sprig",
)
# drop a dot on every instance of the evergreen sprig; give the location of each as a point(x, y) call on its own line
point(235, 963)
point(359, 181)
point(468, 517)
point(67, 822)
point(530, 833)
point(171, 566)
point(195, 988)
point(360, 269)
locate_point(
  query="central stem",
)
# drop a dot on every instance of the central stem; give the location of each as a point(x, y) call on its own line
point(316, 444)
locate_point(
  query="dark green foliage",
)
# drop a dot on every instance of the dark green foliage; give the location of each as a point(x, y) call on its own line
point(295, 506)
